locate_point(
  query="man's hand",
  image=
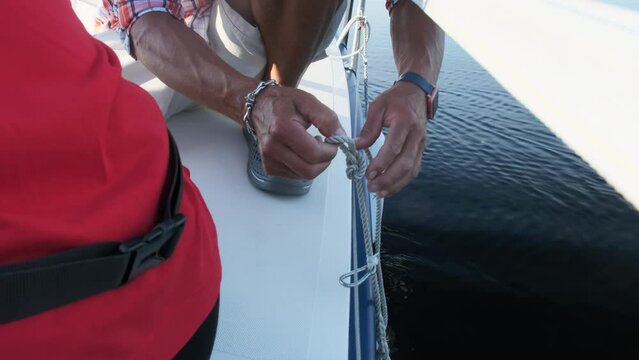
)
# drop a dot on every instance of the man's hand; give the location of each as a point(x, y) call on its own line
point(402, 109)
point(280, 118)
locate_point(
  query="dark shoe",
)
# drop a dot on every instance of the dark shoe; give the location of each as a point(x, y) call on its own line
point(272, 184)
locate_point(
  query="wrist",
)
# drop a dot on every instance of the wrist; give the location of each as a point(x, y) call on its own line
point(429, 91)
point(413, 98)
point(424, 70)
point(249, 104)
point(233, 93)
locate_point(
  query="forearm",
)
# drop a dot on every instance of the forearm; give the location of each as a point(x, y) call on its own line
point(418, 42)
point(182, 60)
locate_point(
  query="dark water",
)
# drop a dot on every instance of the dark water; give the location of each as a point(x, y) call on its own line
point(507, 244)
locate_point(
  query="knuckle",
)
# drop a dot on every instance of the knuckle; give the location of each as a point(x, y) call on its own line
point(267, 149)
point(376, 165)
point(277, 130)
point(396, 148)
point(376, 103)
point(407, 166)
point(333, 119)
point(325, 112)
point(410, 125)
point(408, 129)
point(384, 164)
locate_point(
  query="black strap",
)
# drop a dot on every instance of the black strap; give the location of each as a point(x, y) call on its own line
point(31, 287)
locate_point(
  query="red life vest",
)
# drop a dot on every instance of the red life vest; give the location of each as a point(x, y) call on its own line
point(83, 159)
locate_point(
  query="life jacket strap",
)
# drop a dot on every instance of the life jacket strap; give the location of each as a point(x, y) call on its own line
point(31, 287)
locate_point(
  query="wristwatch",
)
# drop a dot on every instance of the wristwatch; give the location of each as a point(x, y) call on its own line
point(432, 95)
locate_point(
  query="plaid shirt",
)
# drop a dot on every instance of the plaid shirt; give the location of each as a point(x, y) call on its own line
point(119, 15)
point(391, 3)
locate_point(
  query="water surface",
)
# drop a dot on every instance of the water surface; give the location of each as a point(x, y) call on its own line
point(507, 243)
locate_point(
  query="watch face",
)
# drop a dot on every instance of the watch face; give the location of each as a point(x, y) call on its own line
point(432, 101)
point(435, 102)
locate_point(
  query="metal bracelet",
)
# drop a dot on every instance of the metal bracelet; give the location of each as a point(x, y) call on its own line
point(250, 102)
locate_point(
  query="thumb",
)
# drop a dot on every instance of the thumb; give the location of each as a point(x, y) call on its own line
point(372, 128)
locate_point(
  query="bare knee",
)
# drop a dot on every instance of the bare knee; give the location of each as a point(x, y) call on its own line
point(291, 27)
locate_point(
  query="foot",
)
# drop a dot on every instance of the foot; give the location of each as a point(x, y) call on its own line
point(272, 184)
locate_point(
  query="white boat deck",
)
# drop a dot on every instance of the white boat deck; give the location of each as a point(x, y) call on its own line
point(281, 256)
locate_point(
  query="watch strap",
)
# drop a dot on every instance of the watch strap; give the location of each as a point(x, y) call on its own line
point(432, 95)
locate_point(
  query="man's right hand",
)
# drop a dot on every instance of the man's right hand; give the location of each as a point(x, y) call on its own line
point(184, 61)
point(280, 118)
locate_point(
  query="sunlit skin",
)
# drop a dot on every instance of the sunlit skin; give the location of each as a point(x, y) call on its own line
point(291, 31)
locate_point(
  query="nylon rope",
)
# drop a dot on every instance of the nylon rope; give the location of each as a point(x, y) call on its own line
point(356, 163)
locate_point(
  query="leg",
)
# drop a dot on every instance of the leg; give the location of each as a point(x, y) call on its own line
point(291, 31)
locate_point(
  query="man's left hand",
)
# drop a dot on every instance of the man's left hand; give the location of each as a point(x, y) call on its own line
point(402, 109)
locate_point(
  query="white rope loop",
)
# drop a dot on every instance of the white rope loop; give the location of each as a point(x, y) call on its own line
point(369, 269)
point(362, 22)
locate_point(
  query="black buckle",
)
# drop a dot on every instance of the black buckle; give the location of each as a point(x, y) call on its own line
point(148, 250)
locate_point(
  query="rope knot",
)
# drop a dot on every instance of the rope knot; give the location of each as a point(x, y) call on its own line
point(372, 262)
point(356, 162)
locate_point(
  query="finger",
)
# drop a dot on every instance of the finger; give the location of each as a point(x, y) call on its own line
point(418, 159)
point(372, 127)
point(402, 171)
point(393, 146)
point(284, 157)
point(302, 168)
point(319, 115)
point(278, 169)
point(294, 135)
point(270, 151)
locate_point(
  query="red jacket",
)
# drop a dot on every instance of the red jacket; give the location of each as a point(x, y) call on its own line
point(83, 158)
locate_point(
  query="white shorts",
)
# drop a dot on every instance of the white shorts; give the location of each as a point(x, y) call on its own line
point(239, 44)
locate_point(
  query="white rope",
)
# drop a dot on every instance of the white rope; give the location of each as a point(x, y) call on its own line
point(369, 269)
point(356, 164)
point(361, 21)
point(365, 35)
